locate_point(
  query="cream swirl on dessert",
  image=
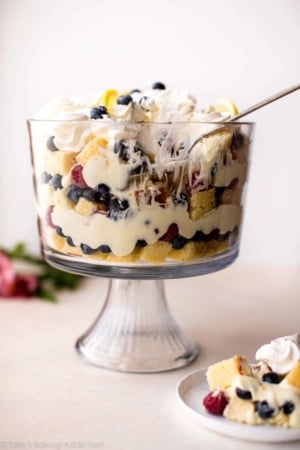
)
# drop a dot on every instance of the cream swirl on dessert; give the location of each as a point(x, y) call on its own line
point(280, 354)
point(70, 131)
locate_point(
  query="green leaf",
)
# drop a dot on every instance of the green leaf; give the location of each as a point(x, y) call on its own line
point(45, 294)
point(18, 251)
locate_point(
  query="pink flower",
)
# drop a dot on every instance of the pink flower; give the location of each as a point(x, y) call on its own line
point(25, 285)
point(13, 284)
point(7, 276)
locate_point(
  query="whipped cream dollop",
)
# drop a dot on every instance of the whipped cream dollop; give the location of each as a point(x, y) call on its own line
point(152, 105)
point(280, 354)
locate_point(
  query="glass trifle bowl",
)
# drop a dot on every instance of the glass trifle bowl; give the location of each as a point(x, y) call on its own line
point(136, 202)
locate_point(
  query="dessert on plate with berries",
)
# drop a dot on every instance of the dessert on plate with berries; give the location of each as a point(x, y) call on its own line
point(117, 180)
point(266, 393)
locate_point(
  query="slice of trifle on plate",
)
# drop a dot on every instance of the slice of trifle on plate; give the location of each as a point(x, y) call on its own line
point(266, 393)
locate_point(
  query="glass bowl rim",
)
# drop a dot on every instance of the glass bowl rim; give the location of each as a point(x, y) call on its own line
point(129, 122)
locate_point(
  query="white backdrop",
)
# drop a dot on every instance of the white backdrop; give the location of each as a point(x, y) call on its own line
point(244, 50)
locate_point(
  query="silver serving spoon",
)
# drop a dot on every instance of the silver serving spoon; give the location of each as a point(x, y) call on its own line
point(249, 110)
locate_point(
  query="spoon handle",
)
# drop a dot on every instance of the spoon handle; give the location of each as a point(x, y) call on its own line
point(265, 102)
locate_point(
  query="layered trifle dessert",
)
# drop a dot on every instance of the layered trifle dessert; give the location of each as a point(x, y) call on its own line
point(264, 393)
point(117, 177)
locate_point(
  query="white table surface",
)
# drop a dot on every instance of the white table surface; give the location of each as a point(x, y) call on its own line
point(50, 398)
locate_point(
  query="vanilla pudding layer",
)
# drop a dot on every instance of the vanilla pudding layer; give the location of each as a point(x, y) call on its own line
point(148, 224)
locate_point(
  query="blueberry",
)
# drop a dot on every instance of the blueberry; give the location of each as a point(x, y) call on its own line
point(103, 193)
point(123, 204)
point(124, 99)
point(56, 181)
point(271, 377)
point(45, 177)
point(74, 193)
point(104, 248)
point(243, 394)
point(141, 168)
point(59, 231)
point(158, 85)
point(50, 144)
point(179, 200)
point(98, 112)
point(237, 141)
point(198, 236)
point(141, 243)
point(178, 242)
point(70, 241)
point(288, 407)
point(213, 235)
point(219, 191)
point(118, 208)
point(223, 237)
point(86, 249)
point(264, 410)
point(134, 90)
point(122, 149)
point(103, 190)
point(90, 194)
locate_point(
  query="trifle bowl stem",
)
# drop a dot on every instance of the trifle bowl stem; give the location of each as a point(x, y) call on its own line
point(135, 331)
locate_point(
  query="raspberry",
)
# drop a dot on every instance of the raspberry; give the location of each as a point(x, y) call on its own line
point(172, 231)
point(215, 402)
point(77, 177)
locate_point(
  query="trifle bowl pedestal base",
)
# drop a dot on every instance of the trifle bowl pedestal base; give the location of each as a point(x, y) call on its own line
point(135, 331)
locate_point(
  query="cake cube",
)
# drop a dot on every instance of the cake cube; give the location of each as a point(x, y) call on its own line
point(293, 377)
point(61, 201)
point(221, 374)
point(54, 240)
point(241, 411)
point(200, 249)
point(188, 252)
point(201, 203)
point(59, 162)
point(132, 257)
point(45, 192)
point(218, 141)
point(91, 150)
point(214, 246)
point(156, 253)
point(232, 196)
point(85, 207)
point(70, 250)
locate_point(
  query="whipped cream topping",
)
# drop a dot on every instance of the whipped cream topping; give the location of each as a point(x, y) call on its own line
point(280, 354)
point(71, 133)
point(154, 105)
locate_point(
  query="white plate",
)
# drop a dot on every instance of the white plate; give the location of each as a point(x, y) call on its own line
point(191, 391)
